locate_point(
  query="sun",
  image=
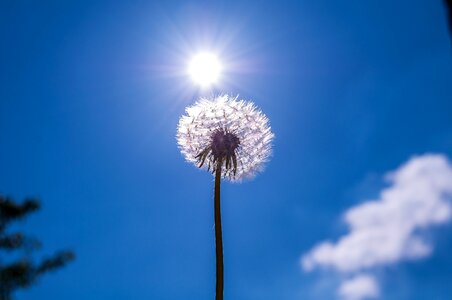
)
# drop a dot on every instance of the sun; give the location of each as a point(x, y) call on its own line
point(205, 69)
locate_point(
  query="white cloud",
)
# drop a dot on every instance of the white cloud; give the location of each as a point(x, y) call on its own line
point(386, 230)
point(360, 287)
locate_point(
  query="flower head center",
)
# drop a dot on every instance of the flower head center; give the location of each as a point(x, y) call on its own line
point(220, 152)
point(224, 144)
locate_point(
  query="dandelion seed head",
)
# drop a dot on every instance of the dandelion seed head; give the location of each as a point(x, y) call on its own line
point(228, 132)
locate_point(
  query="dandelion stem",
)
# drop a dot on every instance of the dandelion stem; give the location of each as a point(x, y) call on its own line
point(218, 234)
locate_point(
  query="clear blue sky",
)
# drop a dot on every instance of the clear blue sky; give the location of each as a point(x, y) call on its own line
point(90, 96)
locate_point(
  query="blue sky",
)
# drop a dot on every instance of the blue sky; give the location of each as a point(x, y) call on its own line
point(90, 97)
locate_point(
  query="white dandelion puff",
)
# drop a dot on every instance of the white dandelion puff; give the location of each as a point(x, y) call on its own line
point(227, 132)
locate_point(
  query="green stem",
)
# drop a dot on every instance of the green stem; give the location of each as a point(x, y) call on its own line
point(218, 235)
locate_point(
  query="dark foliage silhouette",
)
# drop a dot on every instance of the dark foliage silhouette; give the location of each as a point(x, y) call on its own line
point(448, 4)
point(23, 272)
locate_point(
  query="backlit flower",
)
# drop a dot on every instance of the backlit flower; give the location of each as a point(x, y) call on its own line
point(226, 132)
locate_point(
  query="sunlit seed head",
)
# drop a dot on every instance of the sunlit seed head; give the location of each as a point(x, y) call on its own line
point(204, 69)
point(228, 133)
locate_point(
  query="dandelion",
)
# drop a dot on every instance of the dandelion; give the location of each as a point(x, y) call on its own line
point(226, 132)
point(230, 138)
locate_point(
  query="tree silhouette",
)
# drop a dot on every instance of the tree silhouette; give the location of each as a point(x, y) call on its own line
point(448, 4)
point(23, 272)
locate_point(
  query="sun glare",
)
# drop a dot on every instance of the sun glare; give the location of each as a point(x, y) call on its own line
point(204, 69)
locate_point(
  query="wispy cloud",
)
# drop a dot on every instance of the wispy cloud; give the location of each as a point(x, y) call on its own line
point(359, 287)
point(387, 230)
